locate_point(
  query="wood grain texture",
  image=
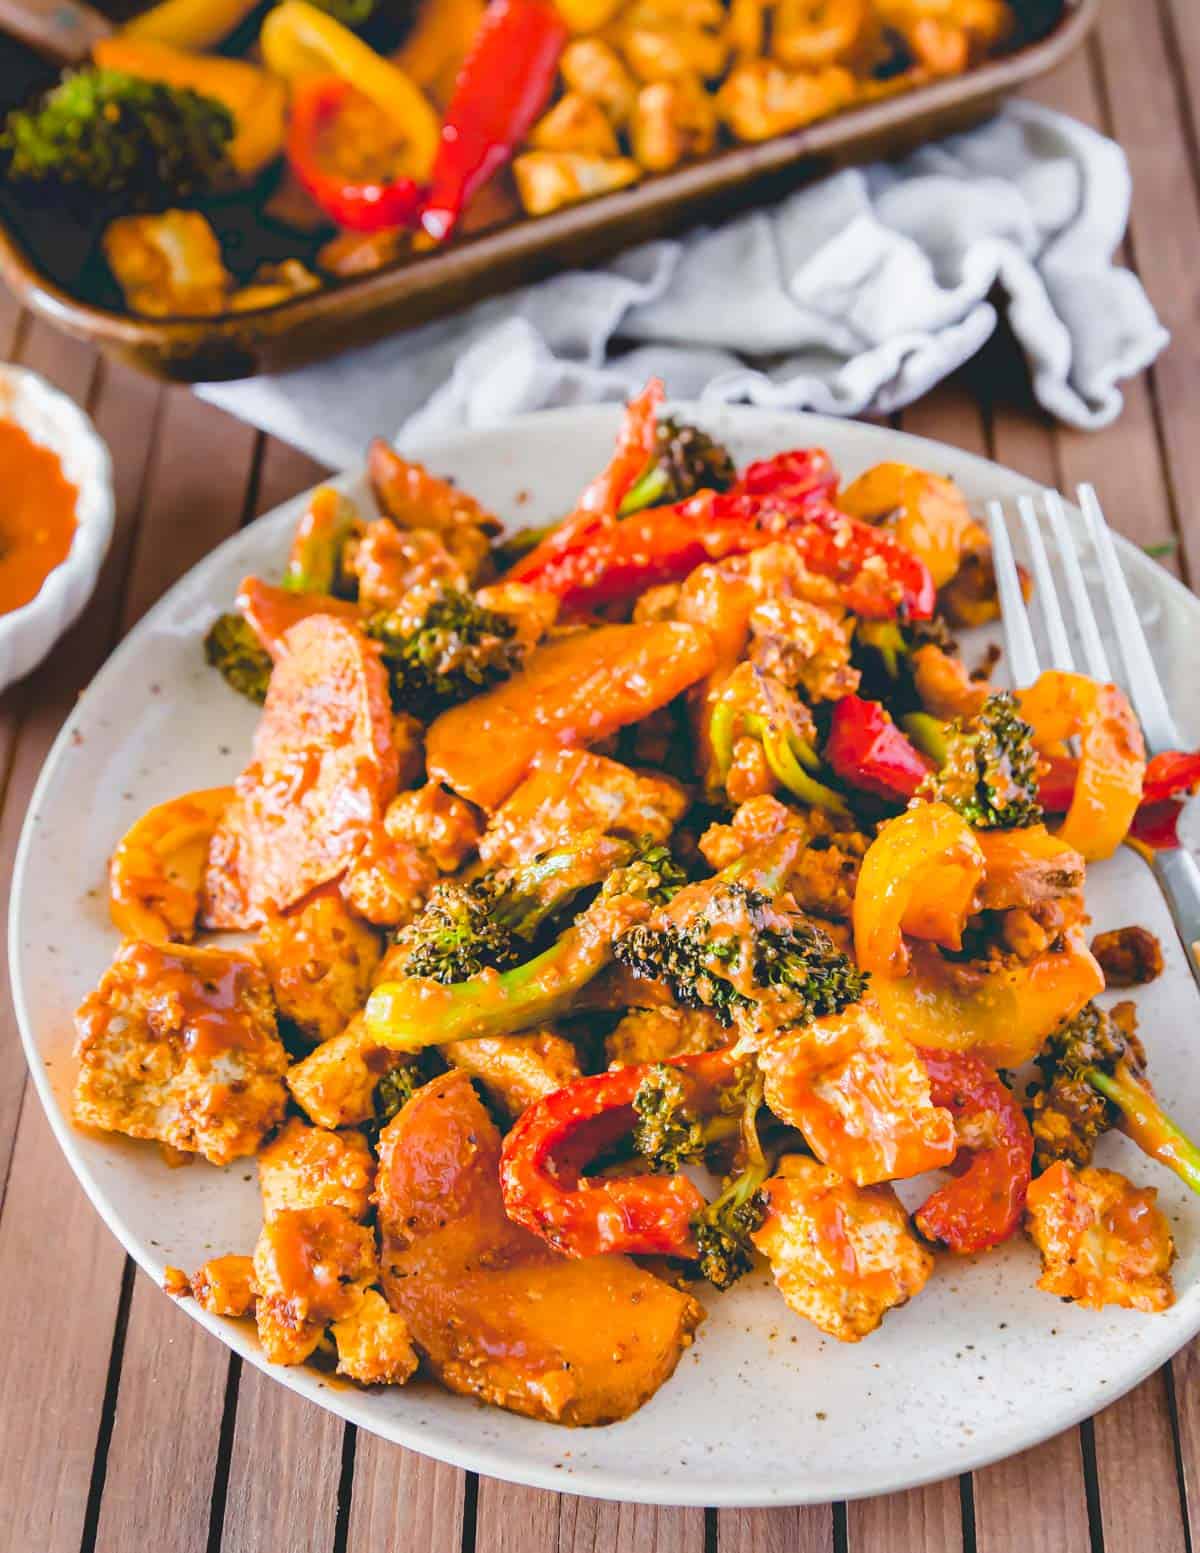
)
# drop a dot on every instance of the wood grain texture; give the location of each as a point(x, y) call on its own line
point(1036, 1501)
point(807, 1529)
point(404, 1503)
point(923, 1520)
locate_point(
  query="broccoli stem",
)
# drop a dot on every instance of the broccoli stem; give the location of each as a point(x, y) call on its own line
point(650, 487)
point(410, 1014)
point(928, 734)
point(1147, 1124)
point(790, 757)
point(886, 637)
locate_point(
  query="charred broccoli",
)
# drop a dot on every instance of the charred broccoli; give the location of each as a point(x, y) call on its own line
point(470, 926)
point(669, 1132)
point(685, 460)
point(732, 949)
point(989, 768)
point(723, 1229)
point(113, 133)
point(456, 650)
point(1093, 1078)
point(234, 650)
point(407, 1014)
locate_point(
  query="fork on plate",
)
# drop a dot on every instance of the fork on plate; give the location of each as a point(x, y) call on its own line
point(1176, 869)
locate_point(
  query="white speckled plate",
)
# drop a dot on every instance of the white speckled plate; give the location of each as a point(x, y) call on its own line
point(763, 1409)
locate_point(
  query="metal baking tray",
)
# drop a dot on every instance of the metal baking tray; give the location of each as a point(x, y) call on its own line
point(50, 258)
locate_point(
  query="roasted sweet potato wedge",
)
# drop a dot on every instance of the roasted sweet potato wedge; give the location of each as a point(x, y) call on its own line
point(324, 770)
point(497, 1313)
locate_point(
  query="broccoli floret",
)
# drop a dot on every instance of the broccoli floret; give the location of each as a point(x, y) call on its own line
point(393, 1092)
point(1092, 1078)
point(113, 133)
point(401, 1015)
point(668, 1131)
point(733, 938)
point(723, 1229)
point(456, 650)
point(468, 926)
point(990, 771)
point(234, 650)
point(685, 460)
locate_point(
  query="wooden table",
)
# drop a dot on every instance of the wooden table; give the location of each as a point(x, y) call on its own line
point(124, 1426)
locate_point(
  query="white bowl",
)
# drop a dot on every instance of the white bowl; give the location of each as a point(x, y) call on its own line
point(53, 421)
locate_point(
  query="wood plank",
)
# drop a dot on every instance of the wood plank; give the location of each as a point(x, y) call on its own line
point(510, 1519)
point(1137, 60)
point(1140, 1504)
point(285, 1470)
point(59, 1296)
point(923, 1520)
point(1185, 1371)
point(1036, 1502)
point(402, 1500)
point(793, 1529)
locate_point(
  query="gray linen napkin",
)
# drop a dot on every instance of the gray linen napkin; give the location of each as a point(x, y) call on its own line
point(856, 293)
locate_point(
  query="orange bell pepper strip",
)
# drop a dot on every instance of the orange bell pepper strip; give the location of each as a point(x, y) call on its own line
point(920, 875)
point(994, 1165)
point(1001, 1011)
point(1112, 755)
point(860, 1094)
point(928, 515)
point(544, 1155)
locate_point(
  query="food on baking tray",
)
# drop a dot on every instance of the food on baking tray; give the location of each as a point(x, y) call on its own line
point(673, 836)
point(398, 126)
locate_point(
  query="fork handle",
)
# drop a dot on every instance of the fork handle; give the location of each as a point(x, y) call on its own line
point(1178, 875)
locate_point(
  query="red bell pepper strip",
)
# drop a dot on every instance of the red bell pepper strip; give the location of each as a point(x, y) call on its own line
point(600, 565)
point(1156, 825)
point(544, 1155)
point(1170, 774)
point(800, 472)
point(984, 1205)
point(867, 750)
point(600, 503)
point(504, 84)
point(368, 206)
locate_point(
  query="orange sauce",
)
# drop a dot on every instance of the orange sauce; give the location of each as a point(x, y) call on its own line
point(37, 515)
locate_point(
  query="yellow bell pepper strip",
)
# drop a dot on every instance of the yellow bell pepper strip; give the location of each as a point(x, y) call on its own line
point(920, 875)
point(257, 101)
point(1112, 755)
point(188, 24)
point(297, 40)
point(587, 15)
point(434, 50)
point(1002, 1011)
point(928, 515)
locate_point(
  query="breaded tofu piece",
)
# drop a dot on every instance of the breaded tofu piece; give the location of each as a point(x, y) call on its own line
point(842, 1255)
point(324, 770)
point(320, 959)
point(657, 1034)
point(225, 1285)
point(179, 1044)
point(335, 1084)
point(1103, 1240)
point(373, 1344)
point(426, 833)
point(516, 1070)
point(311, 1266)
point(568, 792)
point(497, 1313)
point(825, 875)
point(311, 1167)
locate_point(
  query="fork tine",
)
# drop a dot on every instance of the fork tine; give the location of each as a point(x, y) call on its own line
point(1018, 634)
point(1145, 687)
point(1085, 616)
point(1061, 656)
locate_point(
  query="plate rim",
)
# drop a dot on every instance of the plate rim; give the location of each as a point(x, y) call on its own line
point(496, 1460)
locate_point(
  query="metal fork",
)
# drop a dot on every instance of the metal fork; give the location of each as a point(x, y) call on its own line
point(1177, 871)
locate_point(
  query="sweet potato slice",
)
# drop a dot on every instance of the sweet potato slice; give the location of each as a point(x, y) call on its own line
point(574, 691)
point(498, 1314)
point(324, 770)
point(271, 612)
